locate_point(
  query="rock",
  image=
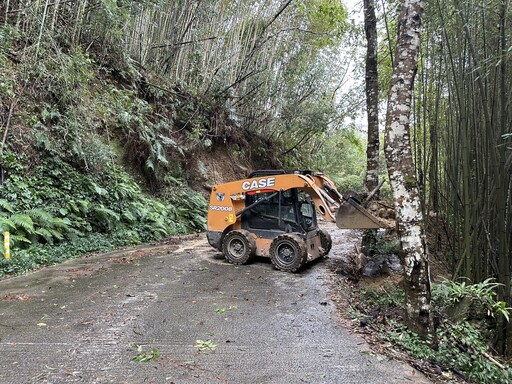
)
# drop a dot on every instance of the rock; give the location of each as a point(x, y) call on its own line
point(382, 265)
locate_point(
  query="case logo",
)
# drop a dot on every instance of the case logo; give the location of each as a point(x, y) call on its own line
point(257, 184)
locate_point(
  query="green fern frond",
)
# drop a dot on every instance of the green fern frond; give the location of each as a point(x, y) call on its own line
point(4, 204)
point(59, 223)
point(23, 221)
point(139, 210)
point(126, 190)
point(159, 227)
point(45, 234)
point(6, 225)
point(74, 232)
point(56, 234)
point(129, 217)
point(160, 153)
point(167, 141)
point(106, 214)
point(40, 216)
point(19, 239)
point(149, 165)
point(72, 206)
point(83, 205)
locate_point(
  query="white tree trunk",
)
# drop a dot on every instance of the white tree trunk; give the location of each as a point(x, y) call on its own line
point(401, 170)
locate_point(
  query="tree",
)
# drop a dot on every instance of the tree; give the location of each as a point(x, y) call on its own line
point(372, 96)
point(402, 172)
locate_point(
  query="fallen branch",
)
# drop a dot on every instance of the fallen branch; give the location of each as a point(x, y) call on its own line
point(375, 190)
point(493, 360)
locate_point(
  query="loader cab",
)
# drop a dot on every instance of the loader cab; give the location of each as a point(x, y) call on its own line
point(287, 211)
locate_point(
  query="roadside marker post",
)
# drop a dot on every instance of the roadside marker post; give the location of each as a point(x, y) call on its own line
point(7, 245)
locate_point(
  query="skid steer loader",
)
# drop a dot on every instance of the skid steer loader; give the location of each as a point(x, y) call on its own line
point(273, 213)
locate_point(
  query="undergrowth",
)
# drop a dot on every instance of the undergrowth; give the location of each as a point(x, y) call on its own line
point(458, 349)
point(55, 212)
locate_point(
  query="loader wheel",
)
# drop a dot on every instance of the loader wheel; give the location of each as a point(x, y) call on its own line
point(288, 252)
point(238, 247)
point(325, 242)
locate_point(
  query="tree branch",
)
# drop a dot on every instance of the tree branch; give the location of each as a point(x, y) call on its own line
point(182, 43)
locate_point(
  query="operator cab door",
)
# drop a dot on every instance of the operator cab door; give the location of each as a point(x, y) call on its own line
point(307, 212)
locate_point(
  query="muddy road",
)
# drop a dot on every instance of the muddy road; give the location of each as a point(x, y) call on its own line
point(178, 313)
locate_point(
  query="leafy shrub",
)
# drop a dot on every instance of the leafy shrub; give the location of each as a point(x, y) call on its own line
point(450, 293)
point(459, 346)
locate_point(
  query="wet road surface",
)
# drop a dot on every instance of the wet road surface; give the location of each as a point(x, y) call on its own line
point(89, 321)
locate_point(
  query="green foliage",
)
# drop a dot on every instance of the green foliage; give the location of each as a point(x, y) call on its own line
point(340, 154)
point(382, 245)
point(37, 255)
point(144, 356)
point(451, 292)
point(410, 342)
point(459, 346)
point(53, 210)
point(327, 19)
point(190, 208)
point(8, 35)
point(387, 296)
point(31, 225)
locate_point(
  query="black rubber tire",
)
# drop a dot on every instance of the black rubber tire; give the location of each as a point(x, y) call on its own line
point(288, 252)
point(325, 242)
point(238, 247)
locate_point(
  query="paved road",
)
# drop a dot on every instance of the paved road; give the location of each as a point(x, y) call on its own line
point(84, 322)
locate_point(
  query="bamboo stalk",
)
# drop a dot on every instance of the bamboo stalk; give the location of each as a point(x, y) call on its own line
point(42, 27)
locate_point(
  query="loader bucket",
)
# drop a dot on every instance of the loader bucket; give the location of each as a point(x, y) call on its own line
point(351, 215)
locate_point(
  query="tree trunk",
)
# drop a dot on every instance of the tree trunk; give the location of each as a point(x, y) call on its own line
point(401, 170)
point(372, 96)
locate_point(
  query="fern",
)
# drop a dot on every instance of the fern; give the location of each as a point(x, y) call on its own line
point(19, 239)
point(56, 234)
point(23, 221)
point(160, 153)
point(4, 204)
point(6, 224)
point(45, 234)
point(139, 210)
point(103, 213)
point(124, 191)
point(83, 205)
point(41, 217)
point(150, 165)
point(130, 218)
point(159, 228)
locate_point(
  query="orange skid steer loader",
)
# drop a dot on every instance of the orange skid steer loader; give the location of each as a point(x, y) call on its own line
point(273, 214)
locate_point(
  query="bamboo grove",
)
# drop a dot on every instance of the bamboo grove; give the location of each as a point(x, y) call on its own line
point(265, 61)
point(463, 139)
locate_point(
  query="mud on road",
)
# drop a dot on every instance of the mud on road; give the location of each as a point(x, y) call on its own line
point(178, 313)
